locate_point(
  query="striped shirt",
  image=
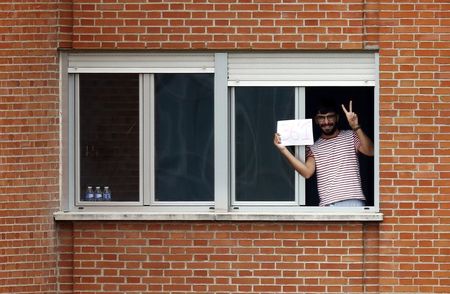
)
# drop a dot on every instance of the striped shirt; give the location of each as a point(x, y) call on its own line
point(337, 167)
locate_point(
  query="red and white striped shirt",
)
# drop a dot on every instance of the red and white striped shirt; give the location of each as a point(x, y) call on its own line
point(337, 167)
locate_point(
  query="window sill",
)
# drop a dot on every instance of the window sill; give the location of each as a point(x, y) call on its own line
point(230, 216)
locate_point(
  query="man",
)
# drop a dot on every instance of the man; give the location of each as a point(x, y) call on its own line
point(333, 158)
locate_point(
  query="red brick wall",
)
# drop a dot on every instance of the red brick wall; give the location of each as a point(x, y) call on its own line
point(29, 146)
point(414, 127)
point(208, 257)
point(223, 24)
point(407, 252)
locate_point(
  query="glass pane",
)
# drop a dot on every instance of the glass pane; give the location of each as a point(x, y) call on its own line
point(261, 173)
point(109, 134)
point(184, 137)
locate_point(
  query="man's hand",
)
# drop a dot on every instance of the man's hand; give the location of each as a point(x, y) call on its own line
point(277, 142)
point(352, 117)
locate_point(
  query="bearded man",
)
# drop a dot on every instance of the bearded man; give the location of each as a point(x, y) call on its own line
point(334, 157)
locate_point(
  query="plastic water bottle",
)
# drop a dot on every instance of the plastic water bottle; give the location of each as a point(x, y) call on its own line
point(98, 195)
point(106, 194)
point(89, 196)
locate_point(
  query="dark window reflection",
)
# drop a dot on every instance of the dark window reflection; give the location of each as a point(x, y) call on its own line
point(262, 174)
point(184, 137)
point(109, 134)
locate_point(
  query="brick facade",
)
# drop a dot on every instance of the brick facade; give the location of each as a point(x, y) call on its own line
point(407, 252)
point(29, 147)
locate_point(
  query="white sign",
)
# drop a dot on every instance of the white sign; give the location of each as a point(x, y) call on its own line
point(295, 132)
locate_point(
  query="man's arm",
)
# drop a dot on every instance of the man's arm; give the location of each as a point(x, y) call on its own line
point(366, 146)
point(306, 169)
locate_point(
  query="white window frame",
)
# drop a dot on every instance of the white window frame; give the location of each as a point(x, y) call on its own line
point(227, 76)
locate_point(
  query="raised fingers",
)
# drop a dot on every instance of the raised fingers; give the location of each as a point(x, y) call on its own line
point(350, 107)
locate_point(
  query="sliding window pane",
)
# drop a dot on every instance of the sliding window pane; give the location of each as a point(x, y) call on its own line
point(261, 173)
point(109, 134)
point(184, 137)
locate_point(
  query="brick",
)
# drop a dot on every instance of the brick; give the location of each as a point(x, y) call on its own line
point(414, 152)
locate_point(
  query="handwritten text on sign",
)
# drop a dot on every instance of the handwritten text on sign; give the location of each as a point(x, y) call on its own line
point(295, 132)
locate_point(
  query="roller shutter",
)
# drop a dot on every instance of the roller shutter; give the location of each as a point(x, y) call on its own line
point(302, 69)
point(140, 62)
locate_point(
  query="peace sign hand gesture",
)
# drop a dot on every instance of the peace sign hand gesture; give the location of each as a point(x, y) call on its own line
point(351, 116)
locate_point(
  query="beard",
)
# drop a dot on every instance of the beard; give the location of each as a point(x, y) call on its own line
point(328, 129)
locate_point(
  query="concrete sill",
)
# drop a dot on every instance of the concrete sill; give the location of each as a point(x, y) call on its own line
point(231, 216)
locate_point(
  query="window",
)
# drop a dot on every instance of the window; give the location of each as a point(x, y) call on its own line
point(109, 148)
point(363, 104)
point(260, 173)
point(194, 132)
point(184, 137)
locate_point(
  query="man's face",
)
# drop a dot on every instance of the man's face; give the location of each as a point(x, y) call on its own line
point(327, 122)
